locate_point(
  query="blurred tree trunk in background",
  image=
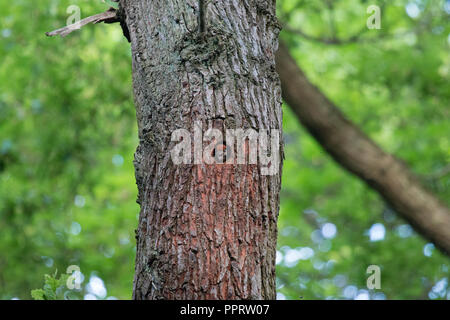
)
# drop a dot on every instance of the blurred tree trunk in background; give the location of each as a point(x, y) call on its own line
point(205, 231)
point(358, 154)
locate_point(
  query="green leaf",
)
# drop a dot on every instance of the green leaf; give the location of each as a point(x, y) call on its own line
point(50, 294)
point(38, 294)
point(53, 287)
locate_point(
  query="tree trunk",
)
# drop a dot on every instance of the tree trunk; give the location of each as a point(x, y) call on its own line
point(354, 151)
point(206, 231)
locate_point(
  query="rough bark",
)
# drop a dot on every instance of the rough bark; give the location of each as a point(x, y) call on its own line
point(205, 231)
point(354, 151)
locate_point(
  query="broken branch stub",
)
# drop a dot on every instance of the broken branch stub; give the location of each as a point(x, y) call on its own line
point(109, 16)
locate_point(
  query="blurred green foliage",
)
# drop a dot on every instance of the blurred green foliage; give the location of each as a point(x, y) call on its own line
point(68, 134)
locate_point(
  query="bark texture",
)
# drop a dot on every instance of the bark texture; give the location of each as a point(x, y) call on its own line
point(352, 149)
point(205, 231)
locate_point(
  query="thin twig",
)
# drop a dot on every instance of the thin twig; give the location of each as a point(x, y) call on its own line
point(334, 39)
point(324, 40)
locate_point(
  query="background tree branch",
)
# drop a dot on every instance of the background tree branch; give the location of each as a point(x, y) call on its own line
point(358, 154)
